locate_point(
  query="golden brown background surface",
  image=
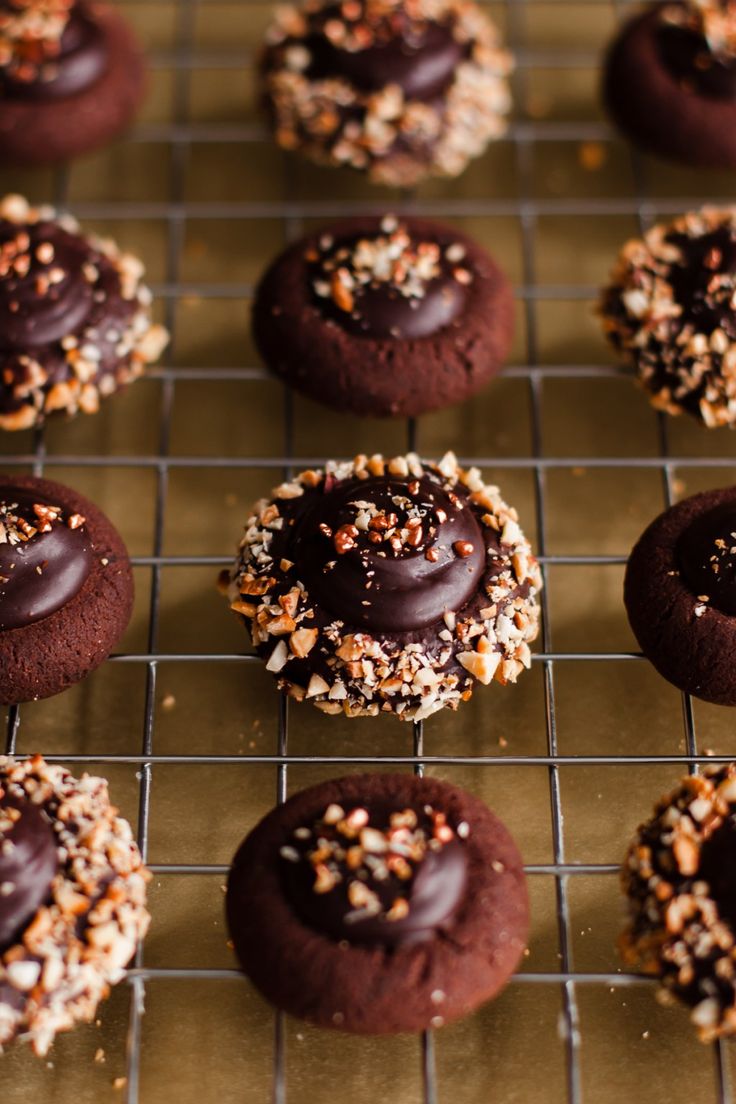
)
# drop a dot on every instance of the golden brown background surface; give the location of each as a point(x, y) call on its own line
point(585, 742)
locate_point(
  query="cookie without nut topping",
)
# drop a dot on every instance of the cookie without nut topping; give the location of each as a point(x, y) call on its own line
point(75, 317)
point(401, 89)
point(387, 586)
point(66, 587)
point(378, 904)
point(680, 595)
point(670, 81)
point(384, 316)
point(71, 77)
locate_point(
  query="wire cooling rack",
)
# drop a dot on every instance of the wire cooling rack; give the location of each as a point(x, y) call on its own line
point(181, 136)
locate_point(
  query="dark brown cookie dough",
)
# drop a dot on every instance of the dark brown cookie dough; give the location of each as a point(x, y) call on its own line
point(680, 595)
point(670, 309)
point(401, 89)
point(670, 82)
point(378, 904)
point(387, 586)
point(66, 587)
point(384, 316)
point(75, 316)
point(680, 878)
point(71, 78)
point(72, 899)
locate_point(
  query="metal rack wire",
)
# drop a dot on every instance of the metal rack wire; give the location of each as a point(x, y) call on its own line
point(181, 134)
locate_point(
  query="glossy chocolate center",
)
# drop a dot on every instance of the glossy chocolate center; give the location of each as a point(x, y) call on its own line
point(706, 554)
point(28, 863)
point(705, 299)
point(379, 876)
point(379, 45)
point(45, 557)
point(389, 285)
point(48, 71)
point(44, 294)
point(718, 868)
point(688, 57)
point(388, 554)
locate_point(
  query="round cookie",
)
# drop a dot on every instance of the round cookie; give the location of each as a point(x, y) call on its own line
point(73, 900)
point(382, 316)
point(670, 81)
point(387, 586)
point(71, 78)
point(66, 588)
point(680, 595)
point(378, 904)
point(670, 310)
point(400, 89)
point(75, 317)
point(680, 878)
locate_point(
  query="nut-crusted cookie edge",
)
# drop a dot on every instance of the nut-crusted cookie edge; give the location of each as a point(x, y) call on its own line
point(60, 974)
point(373, 673)
point(675, 931)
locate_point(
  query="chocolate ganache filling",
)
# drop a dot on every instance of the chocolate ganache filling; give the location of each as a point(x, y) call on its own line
point(390, 555)
point(387, 284)
point(706, 68)
point(58, 66)
point(45, 557)
point(706, 301)
point(28, 863)
point(706, 554)
point(717, 865)
point(44, 295)
point(377, 875)
point(372, 44)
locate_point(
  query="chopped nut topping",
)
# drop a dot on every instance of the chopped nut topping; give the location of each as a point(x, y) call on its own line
point(714, 20)
point(372, 864)
point(345, 539)
point(30, 34)
point(463, 549)
point(16, 529)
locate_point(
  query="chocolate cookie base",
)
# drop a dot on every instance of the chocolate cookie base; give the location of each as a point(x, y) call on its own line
point(41, 132)
point(383, 377)
point(374, 990)
point(691, 644)
point(650, 105)
point(47, 656)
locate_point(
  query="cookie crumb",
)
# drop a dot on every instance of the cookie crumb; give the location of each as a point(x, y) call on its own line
point(592, 156)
